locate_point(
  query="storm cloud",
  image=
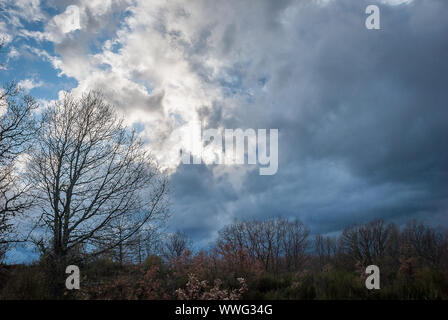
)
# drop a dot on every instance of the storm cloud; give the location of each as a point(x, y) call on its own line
point(362, 117)
point(362, 114)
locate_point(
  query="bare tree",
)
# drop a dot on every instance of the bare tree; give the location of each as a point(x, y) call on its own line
point(17, 130)
point(92, 175)
point(132, 249)
point(425, 242)
point(145, 243)
point(276, 243)
point(366, 243)
point(176, 245)
point(294, 243)
point(325, 248)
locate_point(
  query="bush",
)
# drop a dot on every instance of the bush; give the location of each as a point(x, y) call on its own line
point(24, 283)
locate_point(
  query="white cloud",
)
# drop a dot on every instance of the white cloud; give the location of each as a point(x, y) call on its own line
point(61, 25)
point(389, 2)
point(13, 53)
point(396, 2)
point(29, 10)
point(5, 36)
point(69, 20)
point(171, 62)
point(29, 84)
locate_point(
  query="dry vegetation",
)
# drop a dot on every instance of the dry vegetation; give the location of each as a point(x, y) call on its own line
point(413, 263)
point(95, 198)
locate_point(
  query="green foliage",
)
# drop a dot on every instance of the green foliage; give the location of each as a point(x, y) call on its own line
point(427, 284)
point(22, 282)
point(102, 267)
point(153, 261)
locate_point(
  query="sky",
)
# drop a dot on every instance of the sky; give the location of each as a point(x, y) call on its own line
point(362, 114)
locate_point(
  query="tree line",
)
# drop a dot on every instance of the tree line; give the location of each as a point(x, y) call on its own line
point(257, 259)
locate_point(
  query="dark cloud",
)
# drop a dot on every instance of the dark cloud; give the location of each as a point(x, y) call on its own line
point(362, 115)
